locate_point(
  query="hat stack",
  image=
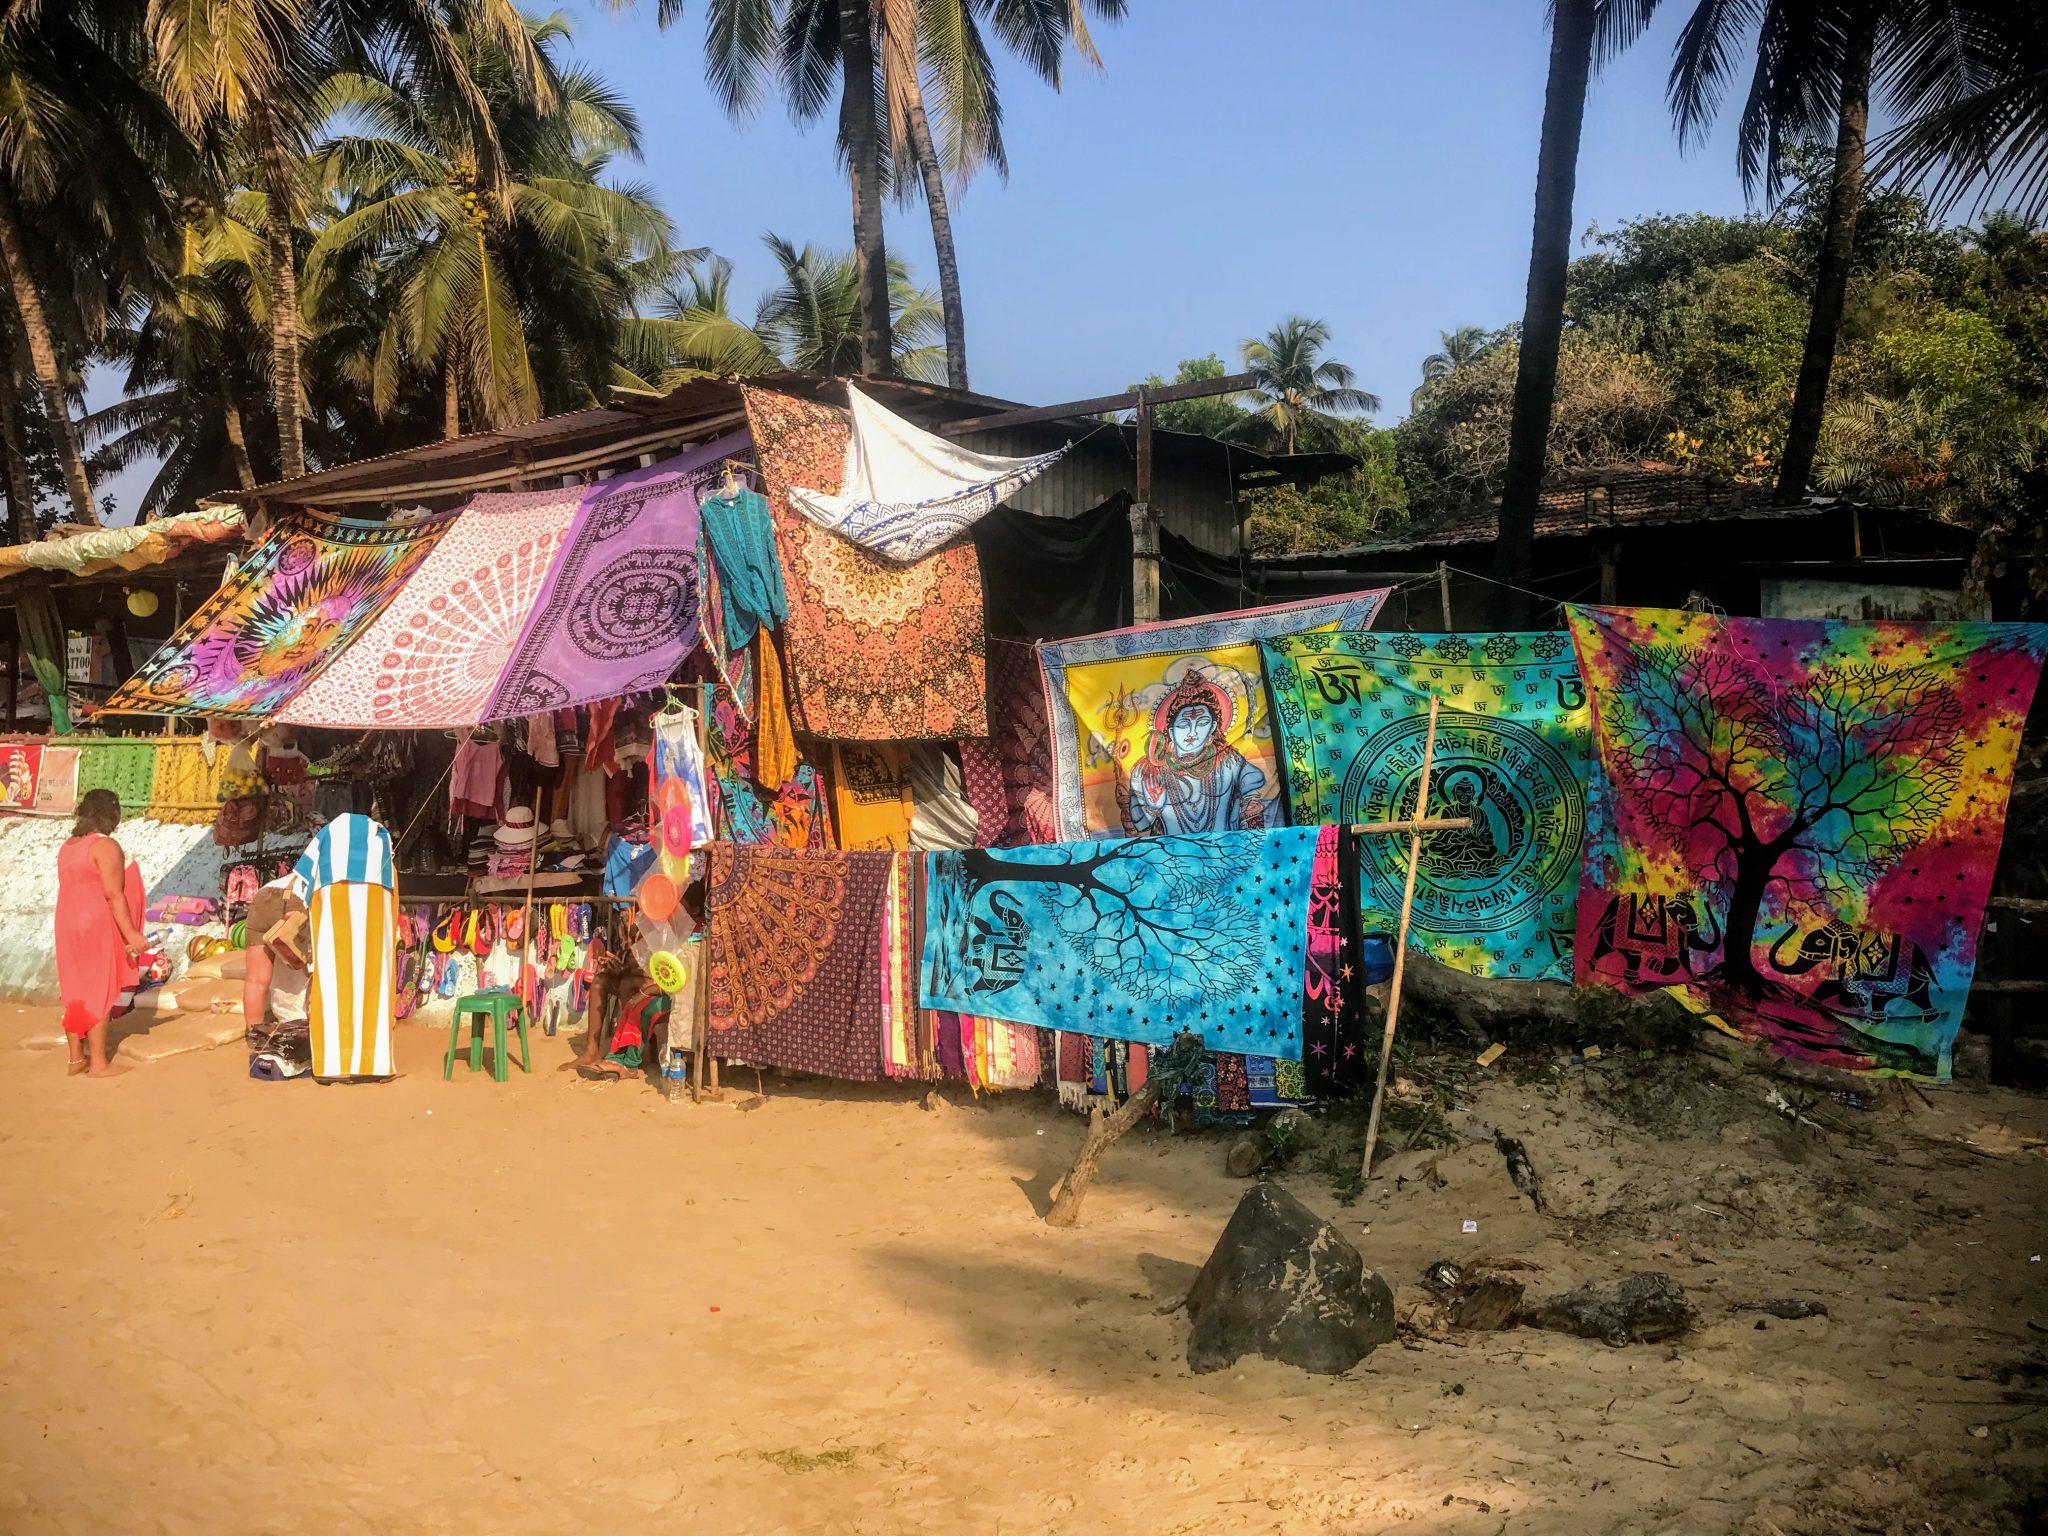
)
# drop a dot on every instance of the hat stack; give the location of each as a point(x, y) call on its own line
point(512, 842)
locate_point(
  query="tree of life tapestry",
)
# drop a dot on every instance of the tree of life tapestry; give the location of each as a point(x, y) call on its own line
point(1131, 938)
point(1162, 728)
point(1795, 822)
point(1498, 898)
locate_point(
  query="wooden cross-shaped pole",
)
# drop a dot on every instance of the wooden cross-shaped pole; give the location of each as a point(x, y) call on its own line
point(1415, 827)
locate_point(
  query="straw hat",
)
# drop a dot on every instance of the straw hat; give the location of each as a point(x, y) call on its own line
point(517, 830)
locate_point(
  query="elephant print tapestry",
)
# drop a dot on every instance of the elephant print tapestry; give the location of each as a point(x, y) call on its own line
point(290, 608)
point(1795, 822)
point(1130, 938)
point(1162, 729)
point(1497, 898)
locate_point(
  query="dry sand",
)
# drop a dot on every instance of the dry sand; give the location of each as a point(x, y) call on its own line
point(551, 1307)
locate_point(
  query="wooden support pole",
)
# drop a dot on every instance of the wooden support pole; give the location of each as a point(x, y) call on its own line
point(1144, 527)
point(1443, 589)
point(703, 1068)
point(526, 921)
point(1379, 1093)
point(1418, 824)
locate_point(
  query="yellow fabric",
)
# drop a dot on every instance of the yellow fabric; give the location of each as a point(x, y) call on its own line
point(187, 787)
point(354, 990)
point(1117, 709)
point(775, 756)
point(871, 793)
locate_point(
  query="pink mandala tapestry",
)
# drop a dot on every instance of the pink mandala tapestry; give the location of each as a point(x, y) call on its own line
point(435, 655)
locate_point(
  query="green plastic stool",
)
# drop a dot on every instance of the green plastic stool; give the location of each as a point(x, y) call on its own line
point(500, 1007)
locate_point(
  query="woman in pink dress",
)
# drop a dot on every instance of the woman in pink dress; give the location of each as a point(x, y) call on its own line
point(99, 929)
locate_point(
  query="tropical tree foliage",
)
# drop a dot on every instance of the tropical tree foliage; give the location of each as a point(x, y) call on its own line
point(1296, 388)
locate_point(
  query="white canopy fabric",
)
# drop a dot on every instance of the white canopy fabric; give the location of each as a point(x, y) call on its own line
point(906, 492)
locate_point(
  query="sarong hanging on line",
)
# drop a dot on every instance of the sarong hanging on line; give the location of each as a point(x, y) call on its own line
point(793, 953)
point(291, 608)
point(902, 492)
point(1498, 898)
point(1163, 728)
point(1795, 822)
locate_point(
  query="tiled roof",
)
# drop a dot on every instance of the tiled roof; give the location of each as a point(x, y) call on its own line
point(1633, 496)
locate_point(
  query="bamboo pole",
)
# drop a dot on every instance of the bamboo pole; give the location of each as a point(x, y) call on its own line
point(1379, 1092)
point(701, 1062)
point(526, 921)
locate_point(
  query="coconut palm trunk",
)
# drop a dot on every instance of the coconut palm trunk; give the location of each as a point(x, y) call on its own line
point(42, 352)
point(238, 443)
point(1557, 167)
point(1831, 275)
point(451, 398)
point(21, 491)
point(942, 245)
point(861, 136)
point(280, 192)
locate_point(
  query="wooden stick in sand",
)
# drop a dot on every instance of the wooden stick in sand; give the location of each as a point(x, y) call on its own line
point(526, 921)
point(1421, 819)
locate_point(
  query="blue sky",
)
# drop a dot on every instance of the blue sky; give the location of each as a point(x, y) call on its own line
point(1368, 162)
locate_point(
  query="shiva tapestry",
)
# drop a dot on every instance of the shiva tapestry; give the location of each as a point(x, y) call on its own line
point(289, 609)
point(1795, 822)
point(1162, 729)
point(1131, 938)
point(1498, 898)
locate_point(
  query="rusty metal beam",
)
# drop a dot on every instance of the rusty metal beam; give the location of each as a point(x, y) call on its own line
point(1232, 384)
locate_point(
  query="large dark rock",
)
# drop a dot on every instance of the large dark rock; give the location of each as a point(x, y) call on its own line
point(1642, 1309)
point(1282, 1283)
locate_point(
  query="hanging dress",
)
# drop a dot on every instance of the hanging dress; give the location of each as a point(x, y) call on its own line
point(93, 967)
point(352, 904)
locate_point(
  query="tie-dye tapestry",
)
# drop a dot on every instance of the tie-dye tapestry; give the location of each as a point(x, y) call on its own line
point(1132, 939)
point(1795, 822)
point(1498, 898)
point(1163, 728)
point(877, 651)
point(435, 655)
point(293, 605)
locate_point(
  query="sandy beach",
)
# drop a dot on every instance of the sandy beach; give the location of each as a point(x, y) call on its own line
point(549, 1306)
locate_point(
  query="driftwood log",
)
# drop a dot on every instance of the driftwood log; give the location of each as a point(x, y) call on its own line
point(1104, 1131)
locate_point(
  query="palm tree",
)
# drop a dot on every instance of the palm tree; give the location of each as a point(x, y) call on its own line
point(1975, 111)
point(1295, 385)
point(188, 366)
point(813, 46)
point(942, 38)
point(1580, 31)
point(475, 275)
point(1816, 64)
point(78, 138)
point(810, 320)
point(1460, 347)
point(256, 66)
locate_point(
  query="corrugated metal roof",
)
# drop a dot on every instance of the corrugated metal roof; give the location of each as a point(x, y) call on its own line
point(637, 421)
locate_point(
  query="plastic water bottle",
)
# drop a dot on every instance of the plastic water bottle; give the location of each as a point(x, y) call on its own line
point(673, 1082)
